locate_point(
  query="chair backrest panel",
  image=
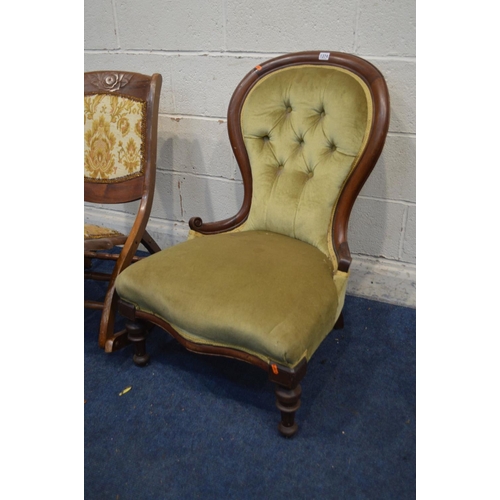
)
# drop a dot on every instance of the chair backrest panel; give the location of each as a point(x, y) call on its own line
point(114, 137)
point(304, 128)
point(303, 170)
point(120, 123)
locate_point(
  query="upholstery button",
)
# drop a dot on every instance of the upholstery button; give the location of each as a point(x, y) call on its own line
point(289, 109)
point(322, 114)
point(310, 174)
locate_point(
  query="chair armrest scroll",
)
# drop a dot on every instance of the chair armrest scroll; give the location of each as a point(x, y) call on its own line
point(197, 224)
point(344, 257)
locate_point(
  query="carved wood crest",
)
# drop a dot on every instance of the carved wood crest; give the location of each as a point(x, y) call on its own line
point(110, 82)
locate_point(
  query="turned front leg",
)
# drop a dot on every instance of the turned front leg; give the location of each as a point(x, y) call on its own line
point(288, 402)
point(137, 332)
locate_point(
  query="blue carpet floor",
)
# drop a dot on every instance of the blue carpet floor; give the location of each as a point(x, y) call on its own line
point(203, 427)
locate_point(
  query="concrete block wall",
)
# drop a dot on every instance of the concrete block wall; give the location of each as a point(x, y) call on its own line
point(203, 50)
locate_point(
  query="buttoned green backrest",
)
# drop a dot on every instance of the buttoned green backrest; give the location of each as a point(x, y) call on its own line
point(304, 128)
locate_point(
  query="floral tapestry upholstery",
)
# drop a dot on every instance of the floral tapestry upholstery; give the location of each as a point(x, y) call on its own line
point(114, 132)
point(92, 232)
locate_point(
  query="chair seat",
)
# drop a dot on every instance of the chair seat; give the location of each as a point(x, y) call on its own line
point(91, 231)
point(219, 290)
point(101, 238)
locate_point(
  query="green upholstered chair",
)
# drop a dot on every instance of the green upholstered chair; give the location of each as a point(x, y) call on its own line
point(268, 285)
point(120, 137)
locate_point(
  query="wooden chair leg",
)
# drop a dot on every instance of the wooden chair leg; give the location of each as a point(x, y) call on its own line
point(340, 322)
point(288, 402)
point(110, 339)
point(107, 325)
point(150, 244)
point(137, 332)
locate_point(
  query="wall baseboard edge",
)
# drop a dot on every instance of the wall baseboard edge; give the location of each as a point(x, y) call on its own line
point(383, 280)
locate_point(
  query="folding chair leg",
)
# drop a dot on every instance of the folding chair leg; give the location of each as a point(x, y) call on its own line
point(110, 340)
point(150, 243)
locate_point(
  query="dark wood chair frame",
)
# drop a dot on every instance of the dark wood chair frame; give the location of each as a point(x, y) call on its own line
point(141, 187)
point(287, 380)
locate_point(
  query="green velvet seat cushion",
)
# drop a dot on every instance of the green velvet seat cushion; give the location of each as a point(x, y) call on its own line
point(257, 291)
